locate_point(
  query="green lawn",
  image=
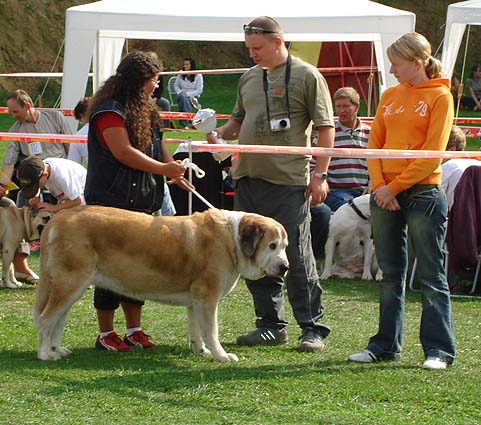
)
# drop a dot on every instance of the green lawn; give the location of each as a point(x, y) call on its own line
point(267, 386)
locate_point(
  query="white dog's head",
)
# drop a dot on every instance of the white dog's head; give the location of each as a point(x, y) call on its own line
point(263, 242)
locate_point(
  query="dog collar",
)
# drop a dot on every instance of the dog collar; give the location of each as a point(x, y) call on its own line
point(357, 210)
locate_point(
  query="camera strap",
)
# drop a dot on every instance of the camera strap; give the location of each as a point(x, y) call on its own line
point(287, 77)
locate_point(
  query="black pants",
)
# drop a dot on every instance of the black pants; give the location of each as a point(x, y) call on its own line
point(286, 204)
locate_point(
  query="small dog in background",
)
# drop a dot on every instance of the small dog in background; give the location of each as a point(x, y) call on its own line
point(350, 244)
point(15, 224)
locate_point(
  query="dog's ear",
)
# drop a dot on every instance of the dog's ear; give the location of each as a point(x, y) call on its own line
point(250, 234)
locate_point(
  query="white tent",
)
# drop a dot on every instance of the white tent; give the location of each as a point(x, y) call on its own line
point(97, 31)
point(458, 16)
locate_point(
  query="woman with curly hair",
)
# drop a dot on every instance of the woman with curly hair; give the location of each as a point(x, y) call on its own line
point(127, 162)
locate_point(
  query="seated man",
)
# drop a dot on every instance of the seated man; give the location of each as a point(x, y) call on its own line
point(347, 177)
point(454, 168)
point(63, 178)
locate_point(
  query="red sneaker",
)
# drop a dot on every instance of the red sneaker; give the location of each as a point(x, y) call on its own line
point(112, 342)
point(139, 339)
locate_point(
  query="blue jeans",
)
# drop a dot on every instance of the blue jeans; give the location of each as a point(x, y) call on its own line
point(338, 197)
point(320, 217)
point(423, 210)
point(184, 106)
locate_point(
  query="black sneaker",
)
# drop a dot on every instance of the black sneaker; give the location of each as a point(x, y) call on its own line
point(264, 336)
point(311, 340)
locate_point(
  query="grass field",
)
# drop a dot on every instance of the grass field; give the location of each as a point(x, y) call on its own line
point(268, 385)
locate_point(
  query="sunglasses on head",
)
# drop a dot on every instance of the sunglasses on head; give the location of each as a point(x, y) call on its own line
point(249, 29)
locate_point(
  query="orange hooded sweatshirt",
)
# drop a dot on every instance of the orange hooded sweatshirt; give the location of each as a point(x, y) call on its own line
point(416, 117)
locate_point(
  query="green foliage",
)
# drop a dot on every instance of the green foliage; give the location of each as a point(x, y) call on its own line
point(268, 386)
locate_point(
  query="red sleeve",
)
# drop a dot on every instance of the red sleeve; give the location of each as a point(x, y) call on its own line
point(106, 120)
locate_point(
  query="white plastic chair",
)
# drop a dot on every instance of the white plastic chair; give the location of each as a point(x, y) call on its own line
point(171, 91)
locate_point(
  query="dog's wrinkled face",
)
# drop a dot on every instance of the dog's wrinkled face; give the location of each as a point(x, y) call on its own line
point(263, 242)
point(35, 221)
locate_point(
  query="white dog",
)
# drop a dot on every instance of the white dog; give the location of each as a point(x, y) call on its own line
point(350, 244)
point(191, 260)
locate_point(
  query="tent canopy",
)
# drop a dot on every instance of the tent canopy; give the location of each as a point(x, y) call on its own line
point(458, 16)
point(97, 31)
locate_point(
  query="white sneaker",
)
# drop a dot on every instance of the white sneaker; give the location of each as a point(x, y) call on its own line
point(434, 363)
point(365, 356)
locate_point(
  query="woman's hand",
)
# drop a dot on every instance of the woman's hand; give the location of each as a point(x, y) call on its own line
point(183, 183)
point(385, 199)
point(173, 170)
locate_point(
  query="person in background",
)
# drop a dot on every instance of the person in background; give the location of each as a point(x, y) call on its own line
point(454, 168)
point(126, 169)
point(161, 102)
point(347, 177)
point(78, 152)
point(473, 83)
point(278, 186)
point(416, 114)
point(63, 178)
point(188, 86)
point(28, 119)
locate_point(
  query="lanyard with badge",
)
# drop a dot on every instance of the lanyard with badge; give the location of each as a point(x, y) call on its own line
point(285, 122)
point(34, 148)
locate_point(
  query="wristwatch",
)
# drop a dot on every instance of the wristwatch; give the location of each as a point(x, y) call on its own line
point(322, 176)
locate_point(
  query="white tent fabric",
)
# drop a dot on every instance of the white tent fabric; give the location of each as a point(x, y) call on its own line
point(458, 16)
point(97, 31)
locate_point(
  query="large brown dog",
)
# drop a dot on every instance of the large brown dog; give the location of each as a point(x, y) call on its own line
point(15, 224)
point(187, 260)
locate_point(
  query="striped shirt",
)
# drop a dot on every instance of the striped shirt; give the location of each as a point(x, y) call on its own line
point(349, 173)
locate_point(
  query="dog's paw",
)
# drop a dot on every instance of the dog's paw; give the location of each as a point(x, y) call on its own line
point(232, 357)
point(326, 274)
point(63, 351)
point(379, 275)
point(12, 285)
point(204, 352)
point(49, 355)
point(366, 276)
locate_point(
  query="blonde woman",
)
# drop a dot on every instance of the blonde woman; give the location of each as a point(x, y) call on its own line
point(416, 114)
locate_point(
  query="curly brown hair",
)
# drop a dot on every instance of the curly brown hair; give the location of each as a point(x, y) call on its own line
point(127, 87)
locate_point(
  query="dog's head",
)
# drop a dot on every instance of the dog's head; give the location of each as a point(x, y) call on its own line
point(263, 242)
point(35, 221)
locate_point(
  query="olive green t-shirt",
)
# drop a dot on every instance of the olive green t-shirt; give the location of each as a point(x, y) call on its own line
point(309, 100)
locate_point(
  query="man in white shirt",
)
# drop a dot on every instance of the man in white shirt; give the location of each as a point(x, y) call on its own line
point(64, 179)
